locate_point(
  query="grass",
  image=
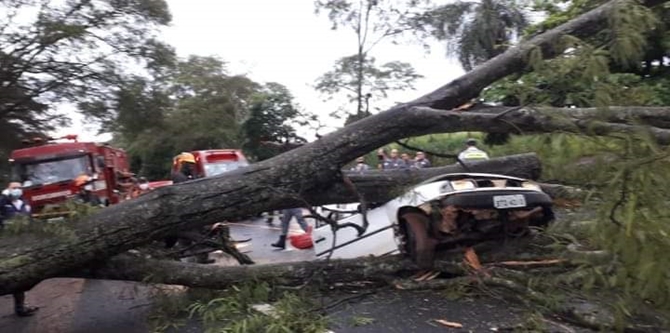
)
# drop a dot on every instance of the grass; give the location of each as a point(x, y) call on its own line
point(232, 310)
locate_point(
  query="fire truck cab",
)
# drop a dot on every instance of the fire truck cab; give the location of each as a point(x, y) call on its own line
point(48, 169)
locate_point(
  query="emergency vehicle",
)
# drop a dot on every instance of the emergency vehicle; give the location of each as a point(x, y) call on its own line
point(214, 162)
point(48, 169)
point(210, 162)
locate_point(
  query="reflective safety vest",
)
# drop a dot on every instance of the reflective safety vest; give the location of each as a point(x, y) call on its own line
point(473, 154)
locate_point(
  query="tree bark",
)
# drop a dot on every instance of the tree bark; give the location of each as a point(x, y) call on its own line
point(652, 116)
point(529, 123)
point(281, 181)
point(381, 186)
point(129, 268)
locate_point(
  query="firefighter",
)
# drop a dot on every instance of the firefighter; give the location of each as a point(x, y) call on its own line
point(185, 165)
point(472, 153)
point(85, 195)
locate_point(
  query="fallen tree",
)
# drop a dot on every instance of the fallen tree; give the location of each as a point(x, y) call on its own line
point(301, 174)
point(491, 270)
point(381, 186)
point(657, 117)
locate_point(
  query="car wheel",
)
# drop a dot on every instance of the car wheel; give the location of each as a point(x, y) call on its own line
point(418, 245)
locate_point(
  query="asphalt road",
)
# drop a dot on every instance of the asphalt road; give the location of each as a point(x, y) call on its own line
point(83, 306)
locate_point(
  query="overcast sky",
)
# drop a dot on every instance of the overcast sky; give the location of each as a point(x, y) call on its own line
point(286, 42)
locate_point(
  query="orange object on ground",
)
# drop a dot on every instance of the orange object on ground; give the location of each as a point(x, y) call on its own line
point(302, 241)
point(472, 260)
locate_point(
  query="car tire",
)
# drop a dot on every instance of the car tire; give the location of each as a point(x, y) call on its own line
point(418, 245)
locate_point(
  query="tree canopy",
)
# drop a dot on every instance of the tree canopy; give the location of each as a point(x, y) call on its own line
point(269, 124)
point(373, 21)
point(475, 31)
point(53, 52)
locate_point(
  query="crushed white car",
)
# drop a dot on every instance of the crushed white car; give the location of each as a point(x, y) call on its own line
point(447, 211)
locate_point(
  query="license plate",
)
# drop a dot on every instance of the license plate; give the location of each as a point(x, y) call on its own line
point(509, 201)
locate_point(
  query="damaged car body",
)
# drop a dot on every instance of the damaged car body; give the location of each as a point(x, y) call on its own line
point(444, 212)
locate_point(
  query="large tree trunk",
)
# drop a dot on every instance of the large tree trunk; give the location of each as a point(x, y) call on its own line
point(130, 268)
point(381, 186)
point(282, 181)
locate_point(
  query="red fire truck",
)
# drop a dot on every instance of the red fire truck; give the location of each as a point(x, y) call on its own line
point(48, 169)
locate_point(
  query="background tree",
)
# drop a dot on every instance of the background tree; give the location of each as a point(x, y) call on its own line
point(475, 31)
point(350, 77)
point(196, 104)
point(373, 21)
point(270, 122)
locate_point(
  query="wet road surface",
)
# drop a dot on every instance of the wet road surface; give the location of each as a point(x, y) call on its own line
point(83, 306)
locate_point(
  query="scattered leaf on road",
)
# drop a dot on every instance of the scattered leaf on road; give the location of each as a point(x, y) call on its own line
point(449, 323)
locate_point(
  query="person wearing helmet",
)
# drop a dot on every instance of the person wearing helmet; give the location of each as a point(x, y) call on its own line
point(85, 194)
point(472, 153)
point(185, 163)
point(12, 204)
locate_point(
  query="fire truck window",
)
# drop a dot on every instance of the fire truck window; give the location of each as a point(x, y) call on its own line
point(54, 171)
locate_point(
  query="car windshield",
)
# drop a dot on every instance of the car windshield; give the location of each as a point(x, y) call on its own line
point(51, 171)
point(213, 169)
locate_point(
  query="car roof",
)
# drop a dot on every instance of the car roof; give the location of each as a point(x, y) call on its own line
point(434, 187)
point(461, 175)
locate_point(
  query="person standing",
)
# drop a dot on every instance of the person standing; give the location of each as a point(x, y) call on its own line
point(472, 153)
point(394, 162)
point(11, 205)
point(409, 163)
point(287, 215)
point(420, 161)
point(360, 165)
point(381, 157)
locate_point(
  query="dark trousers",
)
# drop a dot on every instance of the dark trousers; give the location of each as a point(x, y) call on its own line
point(19, 301)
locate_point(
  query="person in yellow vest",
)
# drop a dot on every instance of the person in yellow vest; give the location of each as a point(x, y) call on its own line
point(472, 153)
